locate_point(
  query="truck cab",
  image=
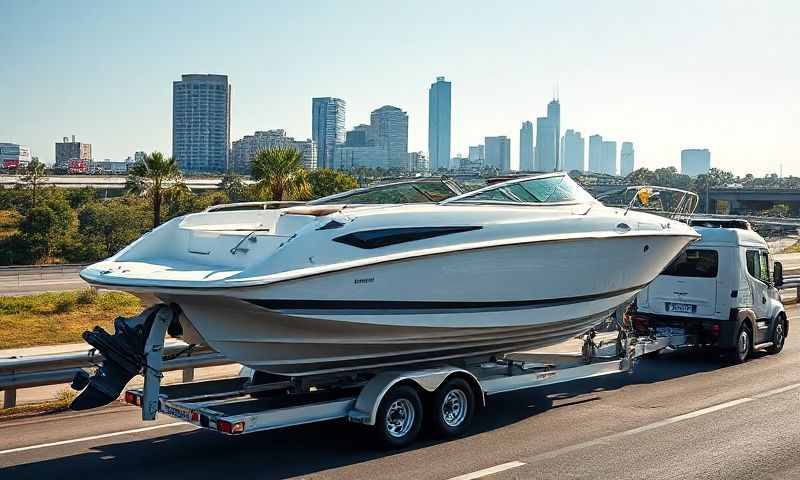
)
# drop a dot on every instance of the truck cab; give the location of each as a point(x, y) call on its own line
point(721, 291)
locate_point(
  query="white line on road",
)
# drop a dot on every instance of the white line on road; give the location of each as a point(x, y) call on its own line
point(489, 471)
point(95, 437)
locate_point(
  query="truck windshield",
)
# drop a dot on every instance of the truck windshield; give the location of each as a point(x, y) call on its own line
point(694, 263)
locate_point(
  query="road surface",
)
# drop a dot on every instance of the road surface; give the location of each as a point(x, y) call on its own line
point(679, 416)
point(31, 280)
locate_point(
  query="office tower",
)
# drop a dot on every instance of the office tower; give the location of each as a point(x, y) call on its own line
point(359, 136)
point(596, 153)
point(390, 126)
point(201, 122)
point(695, 161)
point(14, 156)
point(327, 127)
point(609, 158)
point(245, 149)
point(554, 114)
point(573, 151)
point(626, 159)
point(498, 153)
point(526, 147)
point(477, 154)
point(72, 151)
point(351, 158)
point(439, 124)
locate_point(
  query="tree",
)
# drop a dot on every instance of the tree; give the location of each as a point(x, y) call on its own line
point(150, 176)
point(45, 230)
point(233, 186)
point(326, 182)
point(280, 170)
point(33, 177)
point(106, 227)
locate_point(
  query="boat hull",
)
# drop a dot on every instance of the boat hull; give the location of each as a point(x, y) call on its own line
point(507, 299)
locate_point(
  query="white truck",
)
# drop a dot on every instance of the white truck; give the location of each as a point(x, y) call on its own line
point(720, 292)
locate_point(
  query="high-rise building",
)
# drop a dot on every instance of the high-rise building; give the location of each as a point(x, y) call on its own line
point(390, 126)
point(72, 151)
point(595, 153)
point(359, 136)
point(418, 162)
point(351, 158)
point(498, 153)
point(546, 145)
point(477, 153)
point(609, 158)
point(554, 114)
point(695, 161)
point(526, 147)
point(327, 127)
point(14, 156)
point(245, 149)
point(439, 124)
point(201, 122)
point(573, 151)
point(626, 159)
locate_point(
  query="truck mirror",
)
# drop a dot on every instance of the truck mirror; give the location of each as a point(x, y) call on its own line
point(777, 274)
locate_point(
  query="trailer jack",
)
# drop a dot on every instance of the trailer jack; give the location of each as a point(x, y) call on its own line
point(135, 347)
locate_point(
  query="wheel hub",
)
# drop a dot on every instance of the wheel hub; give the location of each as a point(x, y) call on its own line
point(400, 418)
point(454, 408)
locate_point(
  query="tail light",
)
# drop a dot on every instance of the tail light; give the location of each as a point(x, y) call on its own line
point(715, 330)
point(130, 398)
point(228, 427)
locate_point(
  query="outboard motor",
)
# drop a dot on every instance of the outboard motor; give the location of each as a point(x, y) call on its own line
point(124, 355)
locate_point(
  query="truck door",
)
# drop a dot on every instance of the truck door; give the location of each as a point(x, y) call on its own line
point(758, 273)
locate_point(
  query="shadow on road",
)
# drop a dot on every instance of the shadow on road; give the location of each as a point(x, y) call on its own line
point(312, 448)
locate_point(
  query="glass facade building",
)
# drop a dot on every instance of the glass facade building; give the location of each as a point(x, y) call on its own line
point(201, 123)
point(439, 116)
point(327, 127)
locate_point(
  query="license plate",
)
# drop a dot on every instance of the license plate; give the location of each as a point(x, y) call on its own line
point(182, 413)
point(681, 307)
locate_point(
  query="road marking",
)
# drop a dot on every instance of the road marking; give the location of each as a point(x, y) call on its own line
point(95, 437)
point(661, 423)
point(489, 471)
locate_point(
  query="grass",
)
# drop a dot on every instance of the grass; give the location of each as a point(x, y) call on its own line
point(54, 318)
point(59, 404)
point(793, 249)
point(9, 222)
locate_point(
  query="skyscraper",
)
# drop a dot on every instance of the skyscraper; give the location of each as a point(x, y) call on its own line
point(554, 114)
point(245, 149)
point(526, 147)
point(201, 122)
point(695, 161)
point(573, 151)
point(498, 153)
point(609, 158)
point(439, 124)
point(596, 153)
point(626, 159)
point(327, 127)
point(548, 137)
point(390, 127)
point(477, 153)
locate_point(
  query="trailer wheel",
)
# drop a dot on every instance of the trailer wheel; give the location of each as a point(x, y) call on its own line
point(744, 343)
point(778, 337)
point(453, 404)
point(399, 417)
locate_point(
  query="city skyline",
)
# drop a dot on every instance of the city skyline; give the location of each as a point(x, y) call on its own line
point(727, 92)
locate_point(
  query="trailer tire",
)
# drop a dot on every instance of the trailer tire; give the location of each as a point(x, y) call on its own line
point(744, 345)
point(778, 337)
point(399, 417)
point(453, 407)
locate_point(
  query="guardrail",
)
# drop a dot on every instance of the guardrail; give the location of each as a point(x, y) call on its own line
point(39, 370)
point(41, 270)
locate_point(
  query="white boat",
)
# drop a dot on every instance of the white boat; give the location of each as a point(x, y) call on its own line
point(326, 288)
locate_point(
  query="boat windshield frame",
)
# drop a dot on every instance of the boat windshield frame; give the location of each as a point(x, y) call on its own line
point(467, 198)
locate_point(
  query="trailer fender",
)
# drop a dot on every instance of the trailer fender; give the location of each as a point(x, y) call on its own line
point(365, 409)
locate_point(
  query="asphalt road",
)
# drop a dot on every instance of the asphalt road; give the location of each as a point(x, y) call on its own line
point(27, 281)
point(683, 415)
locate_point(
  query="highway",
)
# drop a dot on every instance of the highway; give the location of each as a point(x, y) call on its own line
point(31, 280)
point(683, 415)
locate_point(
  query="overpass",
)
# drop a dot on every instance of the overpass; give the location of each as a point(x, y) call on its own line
point(107, 182)
point(744, 200)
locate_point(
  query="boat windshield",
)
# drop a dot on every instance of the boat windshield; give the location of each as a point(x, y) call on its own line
point(557, 188)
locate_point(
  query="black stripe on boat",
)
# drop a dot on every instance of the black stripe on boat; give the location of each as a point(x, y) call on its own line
point(383, 237)
point(390, 306)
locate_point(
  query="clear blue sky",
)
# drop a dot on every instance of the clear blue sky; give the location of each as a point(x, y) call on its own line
point(666, 75)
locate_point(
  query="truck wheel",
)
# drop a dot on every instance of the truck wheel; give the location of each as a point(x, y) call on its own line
point(778, 337)
point(744, 343)
point(399, 417)
point(453, 405)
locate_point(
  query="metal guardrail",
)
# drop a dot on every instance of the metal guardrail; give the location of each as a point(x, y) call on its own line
point(41, 270)
point(39, 370)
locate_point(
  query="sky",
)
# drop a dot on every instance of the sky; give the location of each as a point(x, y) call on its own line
point(665, 75)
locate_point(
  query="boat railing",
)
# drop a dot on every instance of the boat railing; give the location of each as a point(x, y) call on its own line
point(674, 203)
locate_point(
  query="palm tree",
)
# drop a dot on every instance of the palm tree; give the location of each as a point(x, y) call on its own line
point(280, 170)
point(149, 177)
point(34, 177)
